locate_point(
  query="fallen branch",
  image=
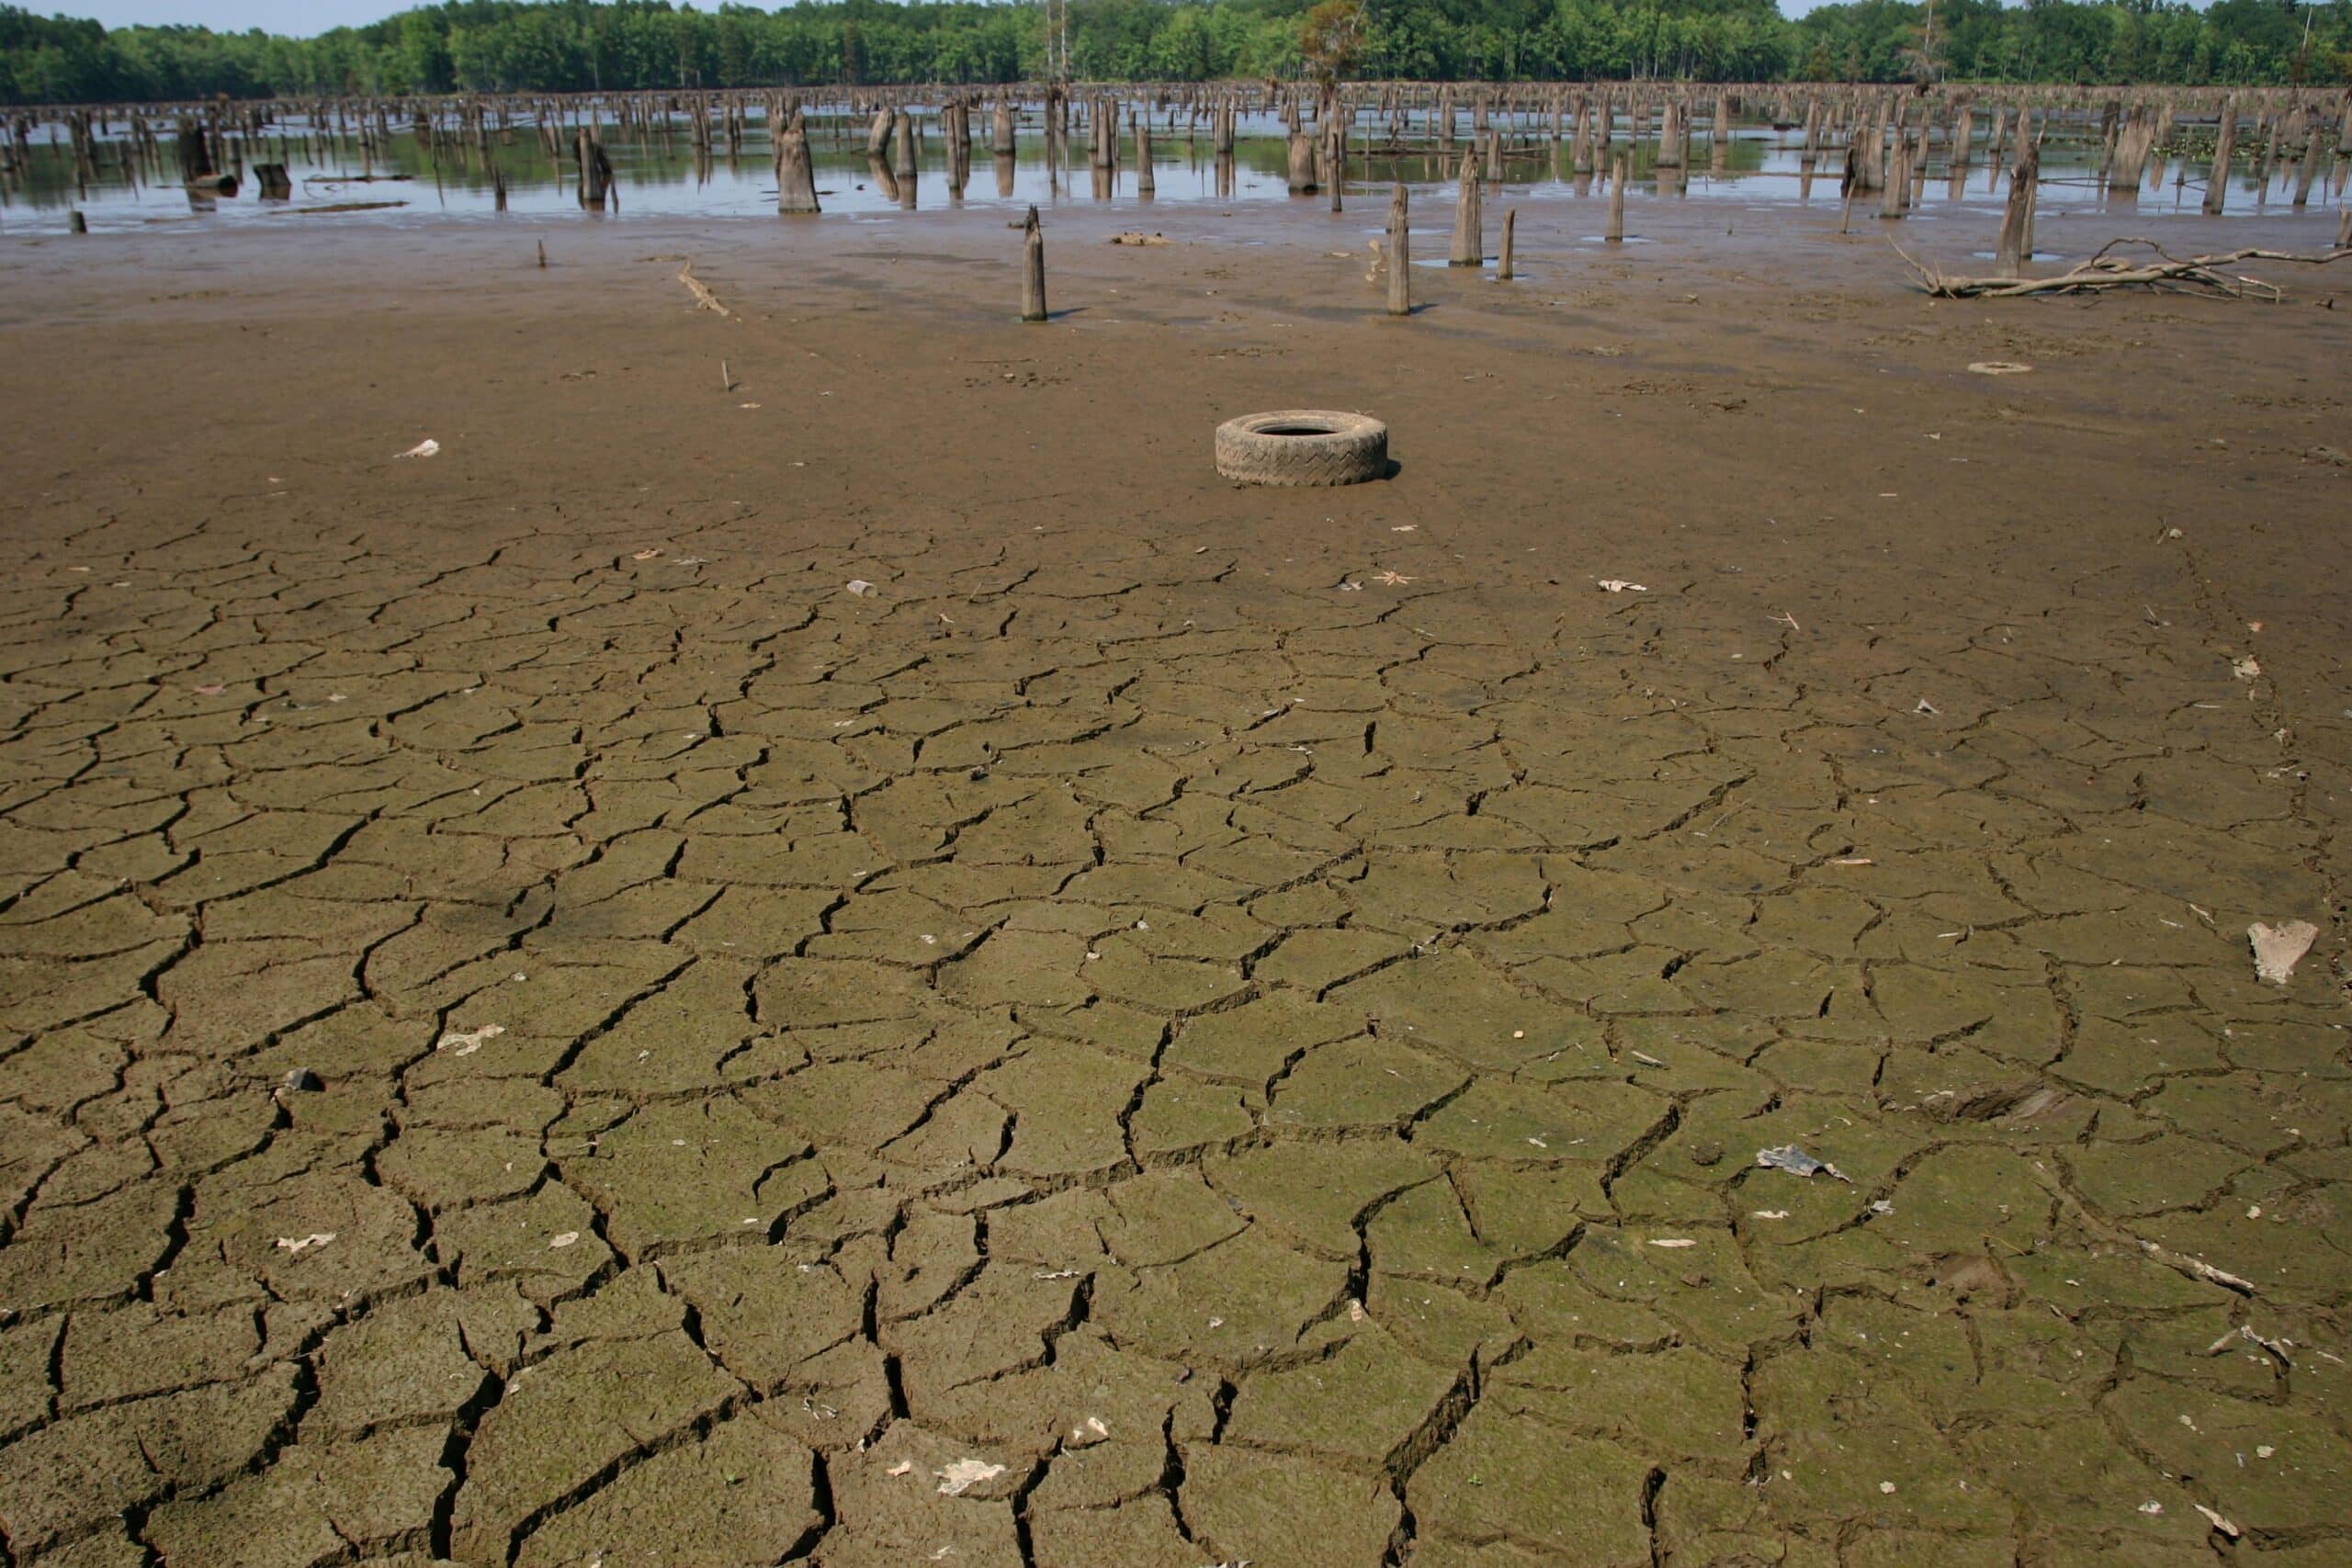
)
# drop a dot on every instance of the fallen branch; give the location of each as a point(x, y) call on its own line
point(2100, 272)
point(704, 298)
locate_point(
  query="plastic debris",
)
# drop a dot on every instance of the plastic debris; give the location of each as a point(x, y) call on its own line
point(1673, 1241)
point(965, 1474)
point(465, 1042)
point(1769, 1215)
point(1089, 1432)
point(1796, 1162)
point(302, 1080)
point(1999, 367)
point(421, 449)
point(901, 1468)
point(562, 1239)
point(208, 690)
point(2277, 948)
point(1619, 585)
point(300, 1245)
point(858, 587)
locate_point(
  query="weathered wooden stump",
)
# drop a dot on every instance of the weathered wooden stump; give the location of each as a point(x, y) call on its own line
point(795, 172)
point(1469, 223)
point(2015, 246)
point(1032, 269)
point(1400, 254)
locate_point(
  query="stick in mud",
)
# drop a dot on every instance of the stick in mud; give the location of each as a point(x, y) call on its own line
point(1400, 259)
point(1032, 269)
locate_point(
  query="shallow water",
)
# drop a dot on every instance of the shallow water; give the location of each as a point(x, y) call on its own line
point(659, 175)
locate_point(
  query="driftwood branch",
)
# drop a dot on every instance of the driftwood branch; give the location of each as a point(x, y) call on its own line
point(704, 298)
point(2103, 271)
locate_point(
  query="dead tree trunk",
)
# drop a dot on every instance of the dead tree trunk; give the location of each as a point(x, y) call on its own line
point(2217, 185)
point(2016, 247)
point(796, 173)
point(1033, 270)
point(1400, 255)
point(1469, 224)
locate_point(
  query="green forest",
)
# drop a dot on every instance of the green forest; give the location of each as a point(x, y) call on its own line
point(574, 45)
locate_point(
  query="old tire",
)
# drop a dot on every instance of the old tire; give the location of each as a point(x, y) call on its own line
point(1302, 446)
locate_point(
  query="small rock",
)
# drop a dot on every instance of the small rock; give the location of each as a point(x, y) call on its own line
point(1706, 1152)
point(302, 1080)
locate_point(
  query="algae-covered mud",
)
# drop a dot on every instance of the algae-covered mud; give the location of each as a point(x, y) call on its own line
point(1171, 1024)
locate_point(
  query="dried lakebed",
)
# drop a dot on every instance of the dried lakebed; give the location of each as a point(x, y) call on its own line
point(1179, 1024)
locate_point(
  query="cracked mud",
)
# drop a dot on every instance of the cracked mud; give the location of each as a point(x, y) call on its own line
point(1139, 1040)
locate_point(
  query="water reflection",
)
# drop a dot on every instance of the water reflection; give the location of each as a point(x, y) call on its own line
point(870, 165)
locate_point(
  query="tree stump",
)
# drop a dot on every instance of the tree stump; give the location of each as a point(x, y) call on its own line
point(1032, 269)
point(1469, 223)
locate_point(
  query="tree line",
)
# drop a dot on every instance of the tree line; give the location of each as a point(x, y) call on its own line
point(574, 45)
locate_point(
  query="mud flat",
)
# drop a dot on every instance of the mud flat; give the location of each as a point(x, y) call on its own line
point(1176, 1024)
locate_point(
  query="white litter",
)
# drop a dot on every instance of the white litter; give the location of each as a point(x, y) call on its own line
point(2245, 668)
point(859, 587)
point(2217, 1521)
point(2277, 948)
point(1619, 585)
point(1999, 367)
point(299, 1245)
point(465, 1041)
point(421, 449)
point(964, 1474)
point(1672, 1241)
point(1796, 1162)
point(556, 1243)
point(901, 1468)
